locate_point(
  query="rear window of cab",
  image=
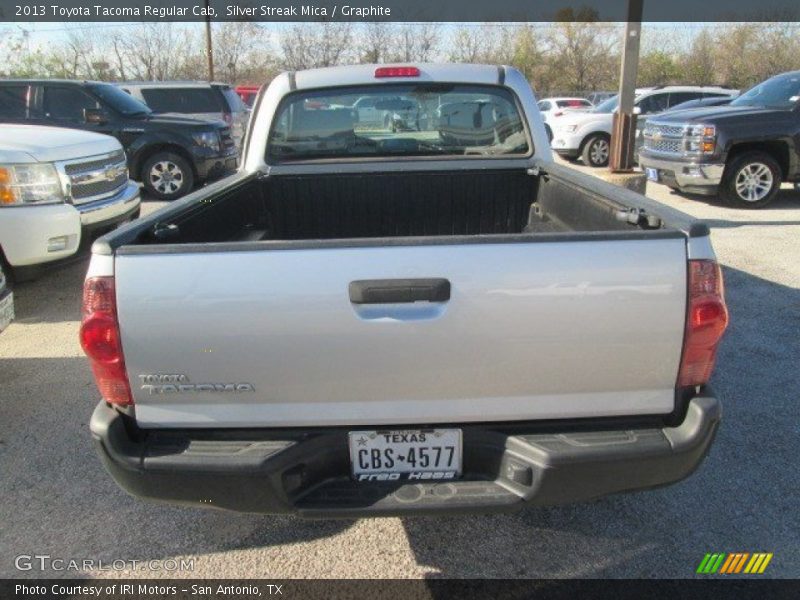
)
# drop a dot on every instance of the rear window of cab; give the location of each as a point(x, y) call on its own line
point(401, 120)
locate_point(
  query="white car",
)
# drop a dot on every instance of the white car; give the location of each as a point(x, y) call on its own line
point(587, 135)
point(57, 186)
point(557, 107)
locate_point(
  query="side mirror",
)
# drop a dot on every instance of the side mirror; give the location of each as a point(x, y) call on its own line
point(637, 110)
point(95, 116)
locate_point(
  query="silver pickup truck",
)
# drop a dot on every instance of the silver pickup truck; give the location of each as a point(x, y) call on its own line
point(365, 321)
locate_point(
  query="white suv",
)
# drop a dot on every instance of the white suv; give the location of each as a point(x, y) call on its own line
point(586, 135)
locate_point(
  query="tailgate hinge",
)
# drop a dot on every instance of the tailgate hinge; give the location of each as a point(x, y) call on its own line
point(639, 217)
point(535, 171)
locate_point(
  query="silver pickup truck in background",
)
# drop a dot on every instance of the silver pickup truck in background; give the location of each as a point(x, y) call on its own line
point(366, 321)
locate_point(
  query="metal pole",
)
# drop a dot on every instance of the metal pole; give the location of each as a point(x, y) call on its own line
point(623, 133)
point(209, 49)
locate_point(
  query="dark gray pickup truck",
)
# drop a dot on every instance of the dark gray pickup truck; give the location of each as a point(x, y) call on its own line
point(743, 151)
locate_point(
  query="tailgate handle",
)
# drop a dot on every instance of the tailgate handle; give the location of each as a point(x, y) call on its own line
point(392, 291)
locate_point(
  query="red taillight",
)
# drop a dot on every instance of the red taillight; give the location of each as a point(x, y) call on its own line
point(558, 113)
point(396, 72)
point(706, 320)
point(100, 340)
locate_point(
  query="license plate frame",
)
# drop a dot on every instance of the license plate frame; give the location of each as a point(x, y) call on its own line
point(6, 310)
point(652, 174)
point(414, 455)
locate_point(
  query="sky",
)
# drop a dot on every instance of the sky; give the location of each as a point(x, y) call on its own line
point(42, 34)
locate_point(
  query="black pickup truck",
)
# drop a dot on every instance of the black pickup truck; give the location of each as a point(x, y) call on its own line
point(743, 151)
point(168, 154)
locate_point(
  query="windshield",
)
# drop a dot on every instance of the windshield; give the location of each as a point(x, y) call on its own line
point(608, 106)
point(782, 91)
point(406, 120)
point(120, 101)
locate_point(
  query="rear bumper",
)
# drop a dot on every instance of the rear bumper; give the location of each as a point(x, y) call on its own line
point(689, 177)
point(307, 472)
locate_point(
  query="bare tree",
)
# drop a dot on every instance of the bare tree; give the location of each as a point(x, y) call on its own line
point(153, 51)
point(474, 45)
point(698, 65)
point(584, 55)
point(240, 50)
point(521, 47)
point(375, 43)
point(416, 42)
point(307, 46)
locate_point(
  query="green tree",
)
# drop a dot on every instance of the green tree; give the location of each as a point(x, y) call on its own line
point(658, 68)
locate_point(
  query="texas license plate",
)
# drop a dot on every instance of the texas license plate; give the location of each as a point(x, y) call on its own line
point(6, 310)
point(408, 454)
point(652, 174)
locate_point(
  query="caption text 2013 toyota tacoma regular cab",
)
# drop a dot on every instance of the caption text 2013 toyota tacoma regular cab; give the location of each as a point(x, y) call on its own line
point(433, 317)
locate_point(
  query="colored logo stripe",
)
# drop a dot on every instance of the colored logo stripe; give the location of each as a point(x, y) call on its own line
point(734, 563)
point(726, 564)
point(758, 563)
point(710, 563)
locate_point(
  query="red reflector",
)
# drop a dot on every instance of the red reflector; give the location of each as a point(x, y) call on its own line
point(706, 320)
point(100, 340)
point(396, 72)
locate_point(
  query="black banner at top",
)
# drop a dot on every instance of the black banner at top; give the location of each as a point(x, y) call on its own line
point(65, 11)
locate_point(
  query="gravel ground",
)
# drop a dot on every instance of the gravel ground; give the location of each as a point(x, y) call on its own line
point(57, 500)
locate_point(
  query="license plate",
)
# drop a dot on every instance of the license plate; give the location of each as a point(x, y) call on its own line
point(652, 174)
point(409, 454)
point(6, 311)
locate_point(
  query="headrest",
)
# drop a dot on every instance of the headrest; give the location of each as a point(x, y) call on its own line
point(322, 123)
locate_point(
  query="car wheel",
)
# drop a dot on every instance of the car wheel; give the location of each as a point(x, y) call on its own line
point(167, 176)
point(596, 150)
point(751, 180)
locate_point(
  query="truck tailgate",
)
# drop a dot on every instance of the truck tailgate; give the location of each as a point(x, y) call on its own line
point(533, 329)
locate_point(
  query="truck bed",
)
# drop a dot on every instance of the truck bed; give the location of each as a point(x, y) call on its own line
point(562, 291)
point(387, 205)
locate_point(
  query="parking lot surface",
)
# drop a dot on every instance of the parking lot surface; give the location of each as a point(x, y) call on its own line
point(58, 500)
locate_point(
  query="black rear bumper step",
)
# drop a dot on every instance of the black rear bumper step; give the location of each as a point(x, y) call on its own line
point(308, 473)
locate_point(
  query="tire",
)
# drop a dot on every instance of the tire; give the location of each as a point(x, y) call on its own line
point(751, 180)
point(167, 176)
point(596, 150)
